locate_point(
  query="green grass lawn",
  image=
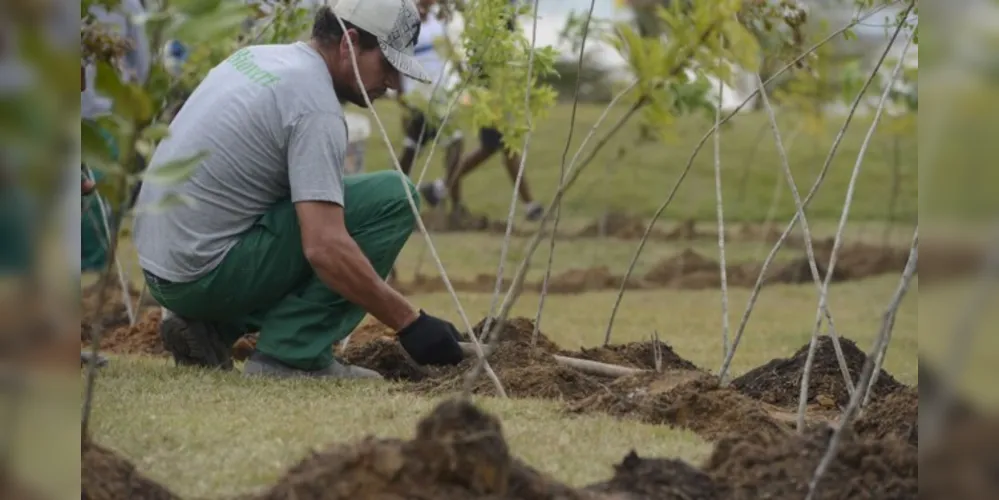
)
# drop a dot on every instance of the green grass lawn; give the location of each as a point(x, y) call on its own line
point(639, 181)
point(210, 435)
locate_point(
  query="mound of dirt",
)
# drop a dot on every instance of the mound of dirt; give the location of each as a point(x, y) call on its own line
point(766, 465)
point(518, 330)
point(662, 479)
point(689, 270)
point(682, 398)
point(524, 371)
point(778, 382)
point(106, 476)
point(584, 280)
point(853, 262)
point(619, 225)
point(636, 355)
point(459, 452)
point(897, 414)
point(143, 338)
point(114, 314)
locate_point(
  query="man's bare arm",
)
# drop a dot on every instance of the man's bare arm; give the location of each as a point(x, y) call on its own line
point(340, 264)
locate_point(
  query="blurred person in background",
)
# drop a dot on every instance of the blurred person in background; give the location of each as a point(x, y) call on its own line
point(97, 222)
point(490, 143)
point(421, 130)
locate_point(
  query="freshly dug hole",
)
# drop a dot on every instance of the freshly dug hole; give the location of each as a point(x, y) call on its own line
point(458, 453)
point(114, 314)
point(765, 465)
point(106, 476)
point(682, 398)
point(778, 382)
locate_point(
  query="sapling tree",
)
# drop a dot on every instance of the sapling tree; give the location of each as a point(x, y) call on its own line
point(134, 123)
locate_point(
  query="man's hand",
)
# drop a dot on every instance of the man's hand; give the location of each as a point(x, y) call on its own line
point(431, 341)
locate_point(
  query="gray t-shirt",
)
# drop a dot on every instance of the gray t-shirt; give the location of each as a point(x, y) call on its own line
point(269, 118)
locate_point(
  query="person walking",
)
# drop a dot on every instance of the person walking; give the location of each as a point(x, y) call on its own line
point(490, 143)
point(420, 129)
point(278, 239)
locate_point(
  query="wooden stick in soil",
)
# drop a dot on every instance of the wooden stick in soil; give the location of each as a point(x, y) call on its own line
point(838, 241)
point(887, 323)
point(419, 221)
point(720, 210)
point(561, 175)
point(690, 163)
point(583, 365)
point(724, 370)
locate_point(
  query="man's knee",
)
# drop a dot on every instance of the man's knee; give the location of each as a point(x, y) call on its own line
point(393, 187)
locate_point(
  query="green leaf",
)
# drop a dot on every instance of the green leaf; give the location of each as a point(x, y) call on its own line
point(176, 171)
point(156, 132)
point(196, 8)
point(108, 81)
point(226, 21)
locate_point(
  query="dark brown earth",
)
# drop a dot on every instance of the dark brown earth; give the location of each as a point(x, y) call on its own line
point(106, 476)
point(766, 465)
point(635, 355)
point(685, 399)
point(894, 415)
point(458, 453)
point(525, 370)
point(114, 313)
point(778, 382)
point(663, 479)
point(143, 338)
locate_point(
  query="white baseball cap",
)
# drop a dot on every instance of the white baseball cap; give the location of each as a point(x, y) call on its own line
point(396, 25)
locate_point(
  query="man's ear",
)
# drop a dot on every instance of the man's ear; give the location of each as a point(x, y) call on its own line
point(355, 40)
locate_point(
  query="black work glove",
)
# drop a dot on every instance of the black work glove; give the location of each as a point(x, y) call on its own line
point(431, 341)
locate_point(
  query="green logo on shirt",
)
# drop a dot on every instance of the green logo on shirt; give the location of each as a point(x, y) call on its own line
point(242, 60)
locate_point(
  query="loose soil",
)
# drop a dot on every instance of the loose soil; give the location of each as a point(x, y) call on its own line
point(663, 479)
point(766, 465)
point(114, 314)
point(143, 338)
point(106, 476)
point(635, 355)
point(459, 452)
point(686, 399)
point(897, 414)
point(778, 382)
point(525, 370)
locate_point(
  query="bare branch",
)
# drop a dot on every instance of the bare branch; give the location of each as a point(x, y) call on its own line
point(838, 240)
point(887, 323)
point(561, 174)
point(690, 163)
point(719, 209)
point(723, 372)
point(419, 221)
point(494, 338)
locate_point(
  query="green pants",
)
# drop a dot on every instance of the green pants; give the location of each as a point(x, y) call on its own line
point(266, 284)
